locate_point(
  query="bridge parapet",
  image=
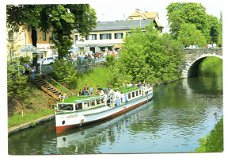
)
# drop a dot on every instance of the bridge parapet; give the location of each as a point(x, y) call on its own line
point(217, 51)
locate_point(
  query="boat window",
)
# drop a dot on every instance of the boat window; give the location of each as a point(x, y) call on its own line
point(98, 101)
point(67, 107)
point(136, 93)
point(89, 104)
point(129, 95)
point(102, 100)
point(78, 106)
point(93, 103)
point(133, 94)
point(140, 91)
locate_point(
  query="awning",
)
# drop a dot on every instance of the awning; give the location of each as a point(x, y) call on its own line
point(30, 49)
point(117, 46)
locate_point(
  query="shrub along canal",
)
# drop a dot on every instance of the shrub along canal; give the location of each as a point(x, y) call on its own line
point(180, 114)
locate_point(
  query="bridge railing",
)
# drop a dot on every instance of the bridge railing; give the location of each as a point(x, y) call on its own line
point(217, 50)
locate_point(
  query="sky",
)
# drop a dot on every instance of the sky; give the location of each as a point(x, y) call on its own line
point(120, 9)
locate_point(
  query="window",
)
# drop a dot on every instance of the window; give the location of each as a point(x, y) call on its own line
point(52, 36)
point(91, 37)
point(118, 35)
point(102, 49)
point(105, 36)
point(44, 36)
point(93, 103)
point(78, 106)
point(128, 33)
point(98, 101)
point(129, 95)
point(136, 93)
point(67, 107)
point(133, 94)
point(102, 100)
point(140, 92)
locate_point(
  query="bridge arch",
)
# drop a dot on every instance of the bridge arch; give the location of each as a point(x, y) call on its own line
point(194, 66)
point(193, 57)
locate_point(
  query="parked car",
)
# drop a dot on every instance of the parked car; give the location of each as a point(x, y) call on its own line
point(47, 60)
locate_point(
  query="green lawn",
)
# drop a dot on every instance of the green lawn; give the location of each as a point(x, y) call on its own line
point(98, 76)
point(17, 118)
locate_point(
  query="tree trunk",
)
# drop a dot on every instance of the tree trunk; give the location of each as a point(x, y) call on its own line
point(34, 37)
point(34, 43)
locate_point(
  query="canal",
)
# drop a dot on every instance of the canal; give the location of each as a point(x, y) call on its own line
point(181, 113)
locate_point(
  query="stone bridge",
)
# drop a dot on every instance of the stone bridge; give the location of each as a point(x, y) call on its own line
point(193, 57)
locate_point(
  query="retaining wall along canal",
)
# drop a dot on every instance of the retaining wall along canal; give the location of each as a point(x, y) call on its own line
point(30, 124)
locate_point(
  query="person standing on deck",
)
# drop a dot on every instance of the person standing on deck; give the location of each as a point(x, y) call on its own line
point(91, 90)
point(86, 90)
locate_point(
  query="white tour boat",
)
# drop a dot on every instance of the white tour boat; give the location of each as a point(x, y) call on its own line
point(79, 110)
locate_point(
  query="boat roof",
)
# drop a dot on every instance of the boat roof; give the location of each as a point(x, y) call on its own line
point(79, 99)
point(128, 89)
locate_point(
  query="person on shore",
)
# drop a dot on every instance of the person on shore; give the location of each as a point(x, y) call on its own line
point(62, 97)
point(33, 73)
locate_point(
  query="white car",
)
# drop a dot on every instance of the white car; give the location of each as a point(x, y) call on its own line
point(47, 60)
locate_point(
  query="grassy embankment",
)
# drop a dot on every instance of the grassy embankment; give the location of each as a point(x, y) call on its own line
point(38, 103)
point(98, 76)
point(35, 106)
point(214, 141)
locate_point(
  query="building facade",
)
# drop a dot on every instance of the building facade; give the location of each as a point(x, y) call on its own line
point(109, 35)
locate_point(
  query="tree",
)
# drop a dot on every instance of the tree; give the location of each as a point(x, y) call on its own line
point(194, 13)
point(62, 19)
point(149, 56)
point(215, 30)
point(189, 35)
point(65, 73)
point(16, 81)
point(24, 15)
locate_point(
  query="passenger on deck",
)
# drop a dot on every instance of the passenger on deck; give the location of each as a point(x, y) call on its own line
point(91, 90)
point(81, 92)
point(101, 92)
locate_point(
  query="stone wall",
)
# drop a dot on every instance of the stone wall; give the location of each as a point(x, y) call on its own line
point(193, 55)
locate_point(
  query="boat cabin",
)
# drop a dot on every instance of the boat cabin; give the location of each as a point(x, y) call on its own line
point(80, 103)
point(118, 98)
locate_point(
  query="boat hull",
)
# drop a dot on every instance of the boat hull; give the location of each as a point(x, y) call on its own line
point(68, 121)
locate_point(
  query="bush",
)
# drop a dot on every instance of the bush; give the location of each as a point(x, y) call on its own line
point(110, 59)
point(65, 73)
point(214, 141)
point(17, 85)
